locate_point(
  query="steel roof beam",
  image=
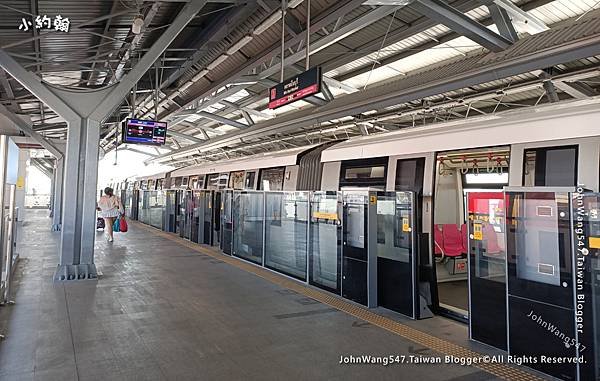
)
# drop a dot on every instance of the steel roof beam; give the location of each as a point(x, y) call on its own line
point(519, 14)
point(22, 125)
point(472, 71)
point(575, 89)
point(184, 136)
point(405, 33)
point(456, 20)
point(249, 110)
point(216, 31)
point(340, 10)
point(7, 87)
point(221, 119)
point(502, 20)
point(125, 85)
point(133, 44)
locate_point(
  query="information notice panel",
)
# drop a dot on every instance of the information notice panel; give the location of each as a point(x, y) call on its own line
point(293, 89)
point(139, 131)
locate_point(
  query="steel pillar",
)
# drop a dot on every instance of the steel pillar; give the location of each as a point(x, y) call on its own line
point(77, 174)
point(57, 192)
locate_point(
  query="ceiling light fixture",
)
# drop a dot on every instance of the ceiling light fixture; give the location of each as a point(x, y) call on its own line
point(217, 61)
point(240, 44)
point(138, 24)
point(200, 74)
point(269, 22)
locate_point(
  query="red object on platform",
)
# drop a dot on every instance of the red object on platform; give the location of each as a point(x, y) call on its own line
point(122, 225)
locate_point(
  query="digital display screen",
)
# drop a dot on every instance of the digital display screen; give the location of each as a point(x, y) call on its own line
point(139, 131)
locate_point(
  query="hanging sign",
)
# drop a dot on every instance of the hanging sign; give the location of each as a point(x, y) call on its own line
point(293, 89)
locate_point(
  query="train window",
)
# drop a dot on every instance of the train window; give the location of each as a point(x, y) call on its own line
point(177, 182)
point(486, 178)
point(223, 179)
point(200, 183)
point(364, 172)
point(151, 184)
point(212, 181)
point(236, 180)
point(272, 179)
point(550, 166)
point(409, 175)
point(184, 182)
point(249, 182)
point(159, 184)
point(193, 182)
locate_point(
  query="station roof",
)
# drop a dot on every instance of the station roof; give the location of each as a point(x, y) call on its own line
point(214, 77)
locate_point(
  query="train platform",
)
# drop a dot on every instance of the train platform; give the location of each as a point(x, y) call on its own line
point(167, 310)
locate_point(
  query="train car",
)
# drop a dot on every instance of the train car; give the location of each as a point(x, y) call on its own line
point(555, 146)
point(439, 190)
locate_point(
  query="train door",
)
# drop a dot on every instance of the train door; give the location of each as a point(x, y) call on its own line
point(410, 177)
point(216, 218)
point(487, 268)
point(457, 174)
point(396, 253)
point(186, 207)
point(358, 253)
point(227, 222)
point(195, 224)
point(207, 213)
point(171, 211)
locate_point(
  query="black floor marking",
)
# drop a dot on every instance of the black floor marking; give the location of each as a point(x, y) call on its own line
point(307, 301)
point(306, 313)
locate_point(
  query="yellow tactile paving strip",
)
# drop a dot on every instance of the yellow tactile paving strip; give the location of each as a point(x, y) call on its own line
point(444, 347)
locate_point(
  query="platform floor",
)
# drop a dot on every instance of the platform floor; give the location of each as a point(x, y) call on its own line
point(162, 311)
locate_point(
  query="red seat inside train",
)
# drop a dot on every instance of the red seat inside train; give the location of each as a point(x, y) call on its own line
point(490, 236)
point(449, 241)
point(452, 242)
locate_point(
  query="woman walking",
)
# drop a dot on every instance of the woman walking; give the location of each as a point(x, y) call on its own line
point(110, 208)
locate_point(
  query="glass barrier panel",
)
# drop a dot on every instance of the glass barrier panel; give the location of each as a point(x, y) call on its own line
point(248, 217)
point(144, 213)
point(325, 240)
point(486, 235)
point(394, 226)
point(487, 267)
point(586, 224)
point(538, 235)
point(157, 205)
point(286, 232)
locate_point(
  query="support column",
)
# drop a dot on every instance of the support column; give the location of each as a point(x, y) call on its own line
point(57, 190)
point(21, 185)
point(79, 201)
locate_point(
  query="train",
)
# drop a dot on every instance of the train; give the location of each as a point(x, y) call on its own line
point(555, 145)
point(421, 221)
